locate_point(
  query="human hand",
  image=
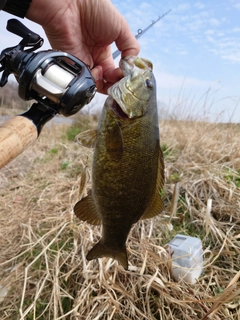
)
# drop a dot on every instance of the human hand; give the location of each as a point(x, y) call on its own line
point(86, 29)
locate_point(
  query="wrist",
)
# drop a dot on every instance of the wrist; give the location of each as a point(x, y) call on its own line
point(44, 11)
point(17, 8)
point(35, 10)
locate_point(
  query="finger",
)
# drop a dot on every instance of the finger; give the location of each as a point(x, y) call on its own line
point(126, 42)
point(98, 77)
point(101, 82)
point(113, 75)
point(110, 72)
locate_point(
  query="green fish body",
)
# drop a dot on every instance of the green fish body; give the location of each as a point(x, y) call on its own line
point(128, 169)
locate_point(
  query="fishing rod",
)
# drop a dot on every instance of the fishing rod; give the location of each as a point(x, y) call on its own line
point(140, 32)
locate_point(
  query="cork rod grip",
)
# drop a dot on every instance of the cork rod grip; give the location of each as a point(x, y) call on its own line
point(15, 136)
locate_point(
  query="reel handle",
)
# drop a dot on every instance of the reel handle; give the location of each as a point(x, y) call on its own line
point(16, 27)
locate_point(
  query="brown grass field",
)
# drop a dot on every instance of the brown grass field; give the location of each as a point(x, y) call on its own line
point(43, 270)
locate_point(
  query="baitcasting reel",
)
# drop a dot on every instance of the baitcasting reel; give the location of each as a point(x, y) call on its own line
point(57, 80)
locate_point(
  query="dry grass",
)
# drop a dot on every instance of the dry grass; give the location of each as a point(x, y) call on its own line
point(43, 270)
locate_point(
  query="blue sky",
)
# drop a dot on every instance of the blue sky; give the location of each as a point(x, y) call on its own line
point(195, 51)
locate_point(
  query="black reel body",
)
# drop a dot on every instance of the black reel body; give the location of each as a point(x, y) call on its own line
point(56, 79)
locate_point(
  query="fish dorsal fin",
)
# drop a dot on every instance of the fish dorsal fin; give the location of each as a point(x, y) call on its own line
point(156, 205)
point(87, 138)
point(114, 142)
point(85, 210)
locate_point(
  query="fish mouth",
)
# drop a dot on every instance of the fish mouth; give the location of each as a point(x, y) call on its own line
point(116, 108)
point(131, 93)
point(120, 88)
point(118, 105)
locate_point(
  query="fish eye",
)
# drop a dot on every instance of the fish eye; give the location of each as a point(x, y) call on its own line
point(149, 83)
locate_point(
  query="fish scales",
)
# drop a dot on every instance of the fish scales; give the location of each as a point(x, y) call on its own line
point(128, 170)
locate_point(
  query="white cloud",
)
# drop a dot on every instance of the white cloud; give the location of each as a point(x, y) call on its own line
point(199, 5)
point(232, 57)
point(237, 6)
point(214, 22)
point(228, 43)
point(235, 30)
point(209, 32)
point(168, 81)
point(183, 6)
point(183, 52)
point(145, 5)
point(210, 39)
point(227, 49)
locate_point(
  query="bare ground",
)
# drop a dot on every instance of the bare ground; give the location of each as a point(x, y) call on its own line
point(43, 270)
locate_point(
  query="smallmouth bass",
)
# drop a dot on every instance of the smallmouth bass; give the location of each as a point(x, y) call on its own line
point(128, 167)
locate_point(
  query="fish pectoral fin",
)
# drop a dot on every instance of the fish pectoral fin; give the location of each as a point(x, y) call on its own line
point(87, 138)
point(85, 177)
point(85, 210)
point(156, 205)
point(114, 142)
point(100, 251)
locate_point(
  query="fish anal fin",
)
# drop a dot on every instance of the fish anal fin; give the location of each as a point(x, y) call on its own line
point(85, 210)
point(100, 251)
point(87, 138)
point(156, 204)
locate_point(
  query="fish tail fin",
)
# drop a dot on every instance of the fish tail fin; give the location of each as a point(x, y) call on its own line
point(100, 251)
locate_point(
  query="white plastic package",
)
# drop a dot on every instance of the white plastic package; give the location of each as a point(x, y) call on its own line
point(187, 257)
